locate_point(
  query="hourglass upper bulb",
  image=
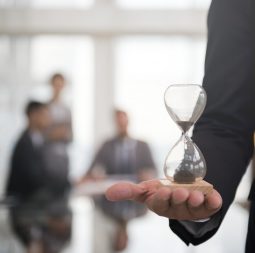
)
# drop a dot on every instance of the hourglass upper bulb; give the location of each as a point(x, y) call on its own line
point(185, 104)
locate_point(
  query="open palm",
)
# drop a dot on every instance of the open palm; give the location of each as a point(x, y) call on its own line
point(178, 204)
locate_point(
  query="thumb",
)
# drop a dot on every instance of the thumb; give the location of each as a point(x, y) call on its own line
point(124, 191)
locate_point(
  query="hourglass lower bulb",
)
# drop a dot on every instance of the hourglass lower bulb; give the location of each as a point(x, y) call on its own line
point(185, 165)
point(185, 162)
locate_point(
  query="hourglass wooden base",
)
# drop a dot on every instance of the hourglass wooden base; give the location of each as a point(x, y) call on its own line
point(201, 186)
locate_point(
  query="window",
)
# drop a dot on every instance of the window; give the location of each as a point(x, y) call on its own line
point(72, 56)
point(61, 3)
point(26, 65)
point(47, 3)
point(163, 3)
point(140, 86)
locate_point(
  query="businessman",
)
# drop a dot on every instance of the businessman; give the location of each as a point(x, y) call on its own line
point(40, 218)
point(121, 156)
point(224, 132)
point(27, 173)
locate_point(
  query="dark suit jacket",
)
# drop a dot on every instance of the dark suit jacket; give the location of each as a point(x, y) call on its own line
point(27, 173)
point(225, 131)
point(38, 195)
point(106, 157)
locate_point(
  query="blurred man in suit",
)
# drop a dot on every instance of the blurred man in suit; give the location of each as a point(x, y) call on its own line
point(40, 218)
point(126, 158)
point(27, 173)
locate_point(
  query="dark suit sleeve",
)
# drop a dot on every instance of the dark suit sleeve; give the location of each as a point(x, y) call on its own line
point(99, 159)
point(27, 169)
point(224, 132)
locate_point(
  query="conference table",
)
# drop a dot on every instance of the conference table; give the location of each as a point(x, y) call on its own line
point(74, 214)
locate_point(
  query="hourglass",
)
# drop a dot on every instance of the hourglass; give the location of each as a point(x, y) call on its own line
point(185, 165)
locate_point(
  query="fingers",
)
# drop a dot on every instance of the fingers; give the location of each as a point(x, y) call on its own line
point(196, 206)
point(170, 204)
point(159, 202)
point(129, 191)
point(125, 191)
point(179, 204)
point(178, 208)
point(196, 199)
point(151, 185)
point(213, 202)
point(179, 197)
point(200, 206)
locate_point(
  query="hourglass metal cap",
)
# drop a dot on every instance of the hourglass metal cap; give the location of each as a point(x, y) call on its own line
point(185, 162)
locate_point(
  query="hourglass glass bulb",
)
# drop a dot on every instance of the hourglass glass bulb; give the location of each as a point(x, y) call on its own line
point(185, 104)
point(185, 162)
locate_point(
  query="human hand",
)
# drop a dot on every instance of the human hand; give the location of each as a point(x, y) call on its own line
point(146, 175)
point(179, 204)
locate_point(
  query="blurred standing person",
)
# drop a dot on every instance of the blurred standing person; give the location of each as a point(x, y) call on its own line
point(59, 134)
point(124, 157)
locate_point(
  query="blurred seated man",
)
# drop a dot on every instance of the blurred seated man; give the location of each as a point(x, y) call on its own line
point(40, 218)
point(121, 157)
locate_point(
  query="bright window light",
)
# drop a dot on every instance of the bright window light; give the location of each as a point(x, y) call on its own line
point(164, 3)
point(145, 66)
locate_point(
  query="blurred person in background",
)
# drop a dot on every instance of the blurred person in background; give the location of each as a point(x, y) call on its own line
point(59, 133)
point(121, 157)
point(27, 163)
point(40, 216)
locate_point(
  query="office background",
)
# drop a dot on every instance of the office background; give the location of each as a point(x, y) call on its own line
point(121, 53)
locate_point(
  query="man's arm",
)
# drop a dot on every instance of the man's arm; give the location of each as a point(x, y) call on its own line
point(224, 132)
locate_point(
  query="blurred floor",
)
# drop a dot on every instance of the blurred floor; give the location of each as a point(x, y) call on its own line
point(149, 234)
